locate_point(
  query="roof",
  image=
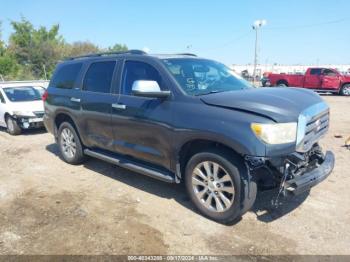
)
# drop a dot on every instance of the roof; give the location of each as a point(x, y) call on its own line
point(43, 83)
point(129, 52)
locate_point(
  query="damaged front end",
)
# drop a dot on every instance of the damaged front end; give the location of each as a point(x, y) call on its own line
point(297, 171)
point(35, 120)
point(294, 173)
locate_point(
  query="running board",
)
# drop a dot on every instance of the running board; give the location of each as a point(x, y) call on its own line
point(131, 165)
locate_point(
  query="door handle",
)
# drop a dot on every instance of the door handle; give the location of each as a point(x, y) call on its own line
point(119, 106)
point(73, 99)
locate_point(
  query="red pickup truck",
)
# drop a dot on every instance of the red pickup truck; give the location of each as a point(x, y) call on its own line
point(318, 79)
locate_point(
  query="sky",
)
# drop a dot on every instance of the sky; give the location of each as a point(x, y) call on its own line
point(297, 31)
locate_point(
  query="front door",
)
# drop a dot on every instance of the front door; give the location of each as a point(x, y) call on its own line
point(142, 125)
point(96, 103)
point(330, 79)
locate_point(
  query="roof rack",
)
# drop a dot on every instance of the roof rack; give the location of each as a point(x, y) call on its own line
point(133, 52)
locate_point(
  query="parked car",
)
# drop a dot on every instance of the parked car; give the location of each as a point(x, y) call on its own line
point(21, 106)
point(318, 79)
point(183, 118)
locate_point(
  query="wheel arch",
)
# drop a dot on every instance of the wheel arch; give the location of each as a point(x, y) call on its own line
point(282, 81)
point(196, 145)
point(64, 116)
point(6, 115)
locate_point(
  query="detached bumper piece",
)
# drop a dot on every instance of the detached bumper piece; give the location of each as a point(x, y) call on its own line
point(304, 182)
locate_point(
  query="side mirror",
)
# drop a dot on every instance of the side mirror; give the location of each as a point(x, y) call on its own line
point(148, 88)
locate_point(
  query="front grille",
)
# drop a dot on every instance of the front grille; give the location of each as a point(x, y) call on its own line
point(315, 129)
point(39, 114)
point(313, 123)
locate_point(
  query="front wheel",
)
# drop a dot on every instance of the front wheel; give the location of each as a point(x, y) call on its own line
point(345, 90)
point(12, 126)
point(215, 184)
point(69, 143)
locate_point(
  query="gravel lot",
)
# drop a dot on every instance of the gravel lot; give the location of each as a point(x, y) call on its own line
point(50, 207)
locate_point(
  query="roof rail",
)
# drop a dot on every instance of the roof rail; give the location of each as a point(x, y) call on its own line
point(133, 52)
point(187, 54)
point(178, 54)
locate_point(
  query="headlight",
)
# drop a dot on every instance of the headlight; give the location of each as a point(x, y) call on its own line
point(276, 133)
point(23, 113)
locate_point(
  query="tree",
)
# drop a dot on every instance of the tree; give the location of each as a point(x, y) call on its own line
point(35, 48)
point(2, 45)
point(118, 48)
point(8, 65)
point(82, 48)
point(32, 52)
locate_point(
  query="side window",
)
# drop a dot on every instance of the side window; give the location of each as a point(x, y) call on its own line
point(329, 72)
point(2, 99)
point(66, 76)
point(315, 71)
point(134, 71)
point(99, 76)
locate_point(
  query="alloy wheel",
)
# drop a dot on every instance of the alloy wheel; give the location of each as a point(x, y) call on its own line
point(213, 186)
point(10, 125)
point(68, 144)
point(346, 90)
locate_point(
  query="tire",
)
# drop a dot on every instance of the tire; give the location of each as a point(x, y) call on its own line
point(70, 145)
point(282, 84)
point(12, 127)
point(235, 176)
point(345, 90)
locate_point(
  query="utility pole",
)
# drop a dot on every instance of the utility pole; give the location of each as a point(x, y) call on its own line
point(257, 24)
point(44, 67)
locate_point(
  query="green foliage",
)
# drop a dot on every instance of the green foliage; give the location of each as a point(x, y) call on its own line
point(118, 48)
point(8, 66)
point(33, 51)
point(81, 48)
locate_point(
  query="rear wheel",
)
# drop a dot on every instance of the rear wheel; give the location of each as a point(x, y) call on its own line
point(216, 184)
point(69, 143)
point(12, 127)
point(282, 84)
point(345, 90)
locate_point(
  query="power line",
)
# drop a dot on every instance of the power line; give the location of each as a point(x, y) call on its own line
point(307, 25)
point(229, 43)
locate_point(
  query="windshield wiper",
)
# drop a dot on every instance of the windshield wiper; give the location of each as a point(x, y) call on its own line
point(210, 92)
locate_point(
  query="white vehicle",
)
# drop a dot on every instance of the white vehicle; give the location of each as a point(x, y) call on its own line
point(21, 106)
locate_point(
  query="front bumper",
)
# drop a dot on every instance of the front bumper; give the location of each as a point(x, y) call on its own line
point(293, 174)
point(29, 122)
point(304, 182)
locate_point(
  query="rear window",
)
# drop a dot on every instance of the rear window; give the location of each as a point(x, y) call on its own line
point(99, 76)
point(315, 71)
point(66, 76)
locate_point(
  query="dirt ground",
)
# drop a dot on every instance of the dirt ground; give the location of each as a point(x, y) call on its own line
point(50, 207)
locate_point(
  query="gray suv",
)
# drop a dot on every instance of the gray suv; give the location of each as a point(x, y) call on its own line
point(180, 118)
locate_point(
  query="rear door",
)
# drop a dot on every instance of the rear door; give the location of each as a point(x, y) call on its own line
point(313, 80)
point(330, 79)
point(96, 103)
point(142, 125)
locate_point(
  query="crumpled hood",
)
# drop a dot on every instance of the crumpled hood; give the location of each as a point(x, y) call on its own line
point(27, 106)
point(278, 104)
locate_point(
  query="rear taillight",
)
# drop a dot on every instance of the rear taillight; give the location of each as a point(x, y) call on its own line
point(45, 95)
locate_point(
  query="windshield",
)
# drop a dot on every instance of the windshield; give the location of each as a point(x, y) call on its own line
point(201, 77)
point(22, 94)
